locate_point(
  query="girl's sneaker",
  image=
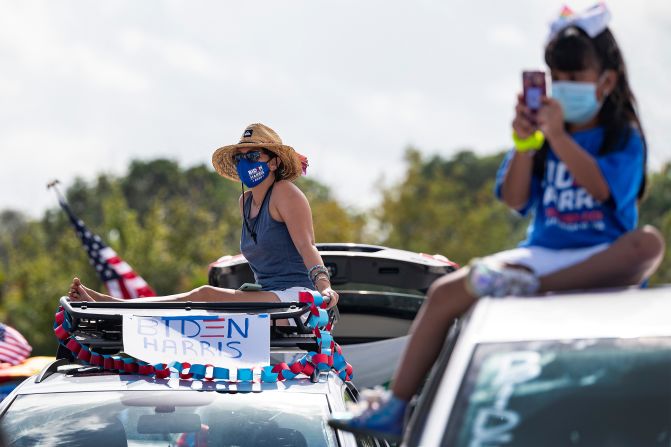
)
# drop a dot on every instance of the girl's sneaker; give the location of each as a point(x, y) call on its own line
point(380, 418)
point(488, 277)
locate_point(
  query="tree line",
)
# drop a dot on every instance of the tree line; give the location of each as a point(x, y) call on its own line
point(169, 222)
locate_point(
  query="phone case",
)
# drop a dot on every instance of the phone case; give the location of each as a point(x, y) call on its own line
point(533, 83)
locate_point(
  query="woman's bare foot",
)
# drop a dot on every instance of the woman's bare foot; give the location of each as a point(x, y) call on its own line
point(77, 291)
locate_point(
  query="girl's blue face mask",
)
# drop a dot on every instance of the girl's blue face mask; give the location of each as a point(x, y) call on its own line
point(577, 99)
point(250, 170)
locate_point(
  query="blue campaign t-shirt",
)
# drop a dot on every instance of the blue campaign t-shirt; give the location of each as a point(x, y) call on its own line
point(565, 215)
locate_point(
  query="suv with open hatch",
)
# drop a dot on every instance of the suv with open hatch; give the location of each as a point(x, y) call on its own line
point(381, 290)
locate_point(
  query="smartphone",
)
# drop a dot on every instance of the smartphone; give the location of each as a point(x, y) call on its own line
point(250, 287)
point(533, 88)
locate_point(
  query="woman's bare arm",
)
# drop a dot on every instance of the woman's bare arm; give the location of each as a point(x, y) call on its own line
point(293, 209)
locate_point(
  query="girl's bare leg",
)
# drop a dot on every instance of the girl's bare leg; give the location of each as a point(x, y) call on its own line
point(628, 261)
point(446, 300)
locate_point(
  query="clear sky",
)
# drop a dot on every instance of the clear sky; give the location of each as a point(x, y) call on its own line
point(87, 86)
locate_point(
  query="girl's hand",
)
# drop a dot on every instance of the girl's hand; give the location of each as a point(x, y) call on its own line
point(331, 294)
point(523, 123)
point(551, 118)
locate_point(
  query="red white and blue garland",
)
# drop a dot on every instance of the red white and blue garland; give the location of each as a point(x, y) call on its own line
point(328, 356)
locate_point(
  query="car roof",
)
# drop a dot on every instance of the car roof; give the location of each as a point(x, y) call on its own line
point(96, 381)
point(614, 313)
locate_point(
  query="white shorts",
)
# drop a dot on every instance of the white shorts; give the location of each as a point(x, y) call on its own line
point(543, 261)
point(290, 294)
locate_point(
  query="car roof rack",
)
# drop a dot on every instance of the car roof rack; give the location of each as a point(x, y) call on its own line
point(99, 325)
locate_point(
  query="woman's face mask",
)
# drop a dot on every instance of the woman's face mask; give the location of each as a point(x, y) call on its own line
point(578, 100)
point(250, 169)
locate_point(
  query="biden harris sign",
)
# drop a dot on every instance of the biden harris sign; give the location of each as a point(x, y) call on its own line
point(223, 340)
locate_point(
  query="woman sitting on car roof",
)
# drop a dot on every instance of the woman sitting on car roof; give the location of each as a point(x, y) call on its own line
point(277, 233)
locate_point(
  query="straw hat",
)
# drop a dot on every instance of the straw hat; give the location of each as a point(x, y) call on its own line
point(260, 136)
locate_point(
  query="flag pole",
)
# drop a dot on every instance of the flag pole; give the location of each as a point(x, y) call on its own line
point(54, 185)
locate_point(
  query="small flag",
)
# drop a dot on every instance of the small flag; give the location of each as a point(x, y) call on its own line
point(14, 349)
point(119, 277)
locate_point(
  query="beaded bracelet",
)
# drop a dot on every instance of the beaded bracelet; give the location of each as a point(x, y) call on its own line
point(316, 270)
point(319, 276)
point(315, 267)
point(320, 273)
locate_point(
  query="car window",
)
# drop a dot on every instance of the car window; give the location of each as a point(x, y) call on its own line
point(169, 418)
point(578, 393)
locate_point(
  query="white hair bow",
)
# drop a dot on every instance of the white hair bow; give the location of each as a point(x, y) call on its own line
point(593, 20)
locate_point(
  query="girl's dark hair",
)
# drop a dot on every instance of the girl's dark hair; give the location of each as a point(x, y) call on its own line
point(573, 50)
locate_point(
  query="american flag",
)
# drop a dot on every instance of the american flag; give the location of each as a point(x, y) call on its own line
point(14, 349)
point(119, 277)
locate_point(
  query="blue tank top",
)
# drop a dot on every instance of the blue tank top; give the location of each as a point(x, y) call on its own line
point(274, 259)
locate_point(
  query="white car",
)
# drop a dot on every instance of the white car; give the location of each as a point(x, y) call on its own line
point(583, 369)
point(71, 403)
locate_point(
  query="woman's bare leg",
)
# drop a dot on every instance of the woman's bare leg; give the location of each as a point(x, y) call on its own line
point(446, 300)
point(79, 292)
point(628, 261)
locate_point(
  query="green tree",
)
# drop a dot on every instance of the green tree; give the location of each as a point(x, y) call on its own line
point(166, 221)
point(656, 210)
point(447, 206)
point(332, 222)
point(170, 222)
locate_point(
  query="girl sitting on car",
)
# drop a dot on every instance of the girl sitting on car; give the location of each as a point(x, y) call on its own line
point(581, 180)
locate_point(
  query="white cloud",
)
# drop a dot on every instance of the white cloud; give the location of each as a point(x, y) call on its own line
point(38, 46)
point(87, 87)
point(391, 110)
point(506, 35)
point(10, 87)
point(88, 65)
point(177, 54)
point(31, 158)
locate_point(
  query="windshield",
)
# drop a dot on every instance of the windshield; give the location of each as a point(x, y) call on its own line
point(583, 392)
point(180, 418)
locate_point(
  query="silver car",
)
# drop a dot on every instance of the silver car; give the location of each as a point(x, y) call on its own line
point(584, 369)
point(74, 404)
